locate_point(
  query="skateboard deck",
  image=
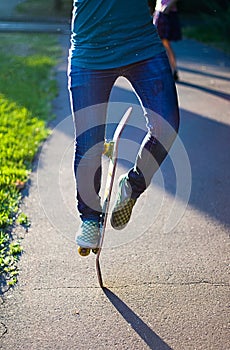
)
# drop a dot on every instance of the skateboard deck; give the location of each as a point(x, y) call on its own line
point(111, 151)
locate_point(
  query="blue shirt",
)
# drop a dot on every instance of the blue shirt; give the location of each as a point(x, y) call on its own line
point(112, 33)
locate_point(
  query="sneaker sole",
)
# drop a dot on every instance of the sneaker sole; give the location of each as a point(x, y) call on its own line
point(86, 245)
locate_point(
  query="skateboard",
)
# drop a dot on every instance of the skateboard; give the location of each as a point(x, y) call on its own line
point(111, 151)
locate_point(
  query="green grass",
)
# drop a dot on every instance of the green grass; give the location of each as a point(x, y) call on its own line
point(44, 8)
point(27, 88)
point(212, 29)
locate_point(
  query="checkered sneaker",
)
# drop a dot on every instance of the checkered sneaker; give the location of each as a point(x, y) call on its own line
point(123, 208)
point(88, 234)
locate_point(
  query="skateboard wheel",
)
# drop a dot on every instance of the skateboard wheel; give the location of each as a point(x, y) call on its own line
point(95, 250)
point(83, 251)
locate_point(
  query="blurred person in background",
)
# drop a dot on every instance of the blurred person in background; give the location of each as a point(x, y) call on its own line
point(166, 19)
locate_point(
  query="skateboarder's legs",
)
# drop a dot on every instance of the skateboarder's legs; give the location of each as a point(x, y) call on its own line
point(89, 92)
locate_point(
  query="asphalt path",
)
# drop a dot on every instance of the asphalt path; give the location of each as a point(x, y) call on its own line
point(34, 27)
point(166, 275)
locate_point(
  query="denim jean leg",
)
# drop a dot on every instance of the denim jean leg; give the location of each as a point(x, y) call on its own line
point(154, 85)
point(87, 168)
point(89, 95)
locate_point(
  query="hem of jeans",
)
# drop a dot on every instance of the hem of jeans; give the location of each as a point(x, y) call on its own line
point(89, 218)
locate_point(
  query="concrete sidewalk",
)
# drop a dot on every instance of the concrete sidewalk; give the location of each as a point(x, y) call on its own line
point(164, 289)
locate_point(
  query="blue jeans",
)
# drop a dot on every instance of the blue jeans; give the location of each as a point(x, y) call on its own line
point(89, 95)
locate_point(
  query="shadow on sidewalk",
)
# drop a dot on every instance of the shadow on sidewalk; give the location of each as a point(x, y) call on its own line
point(217, 93)
point(203, 73)
point(139, 326)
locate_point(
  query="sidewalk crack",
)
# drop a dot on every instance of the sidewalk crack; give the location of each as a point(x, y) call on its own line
point(4, 330)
